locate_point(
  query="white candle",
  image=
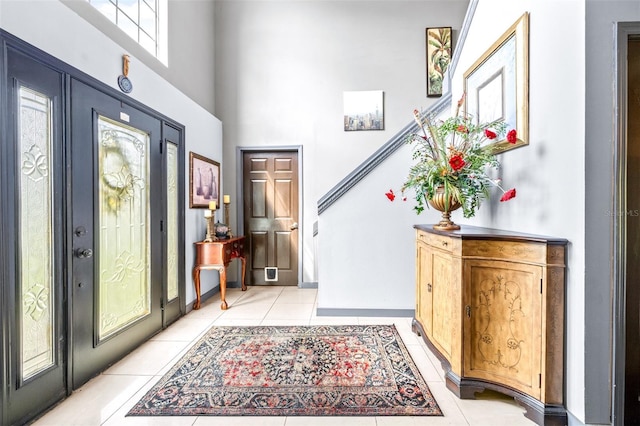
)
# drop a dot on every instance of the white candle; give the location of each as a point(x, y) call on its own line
point(207, 213)
point(212, 205)
point(226, 199)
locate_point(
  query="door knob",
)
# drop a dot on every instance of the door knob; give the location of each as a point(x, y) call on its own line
point(84, 253)
point(294, 226)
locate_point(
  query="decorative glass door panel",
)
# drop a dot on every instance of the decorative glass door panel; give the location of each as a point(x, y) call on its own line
point(36, 233)
point(117, 213)
point(124, 293)
point(32, 237)
point(172, 221)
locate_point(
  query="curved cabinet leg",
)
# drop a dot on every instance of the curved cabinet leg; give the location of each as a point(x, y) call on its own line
point(243, 259)
point(223, 288)
point(196, 283)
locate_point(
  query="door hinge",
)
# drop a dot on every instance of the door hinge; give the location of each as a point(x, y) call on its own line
point(160, 147)
point(539, 381)
point(162, 226)
point(468, 310)
point(540, 285)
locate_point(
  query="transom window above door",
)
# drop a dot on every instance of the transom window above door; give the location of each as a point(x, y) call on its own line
point(145, 21)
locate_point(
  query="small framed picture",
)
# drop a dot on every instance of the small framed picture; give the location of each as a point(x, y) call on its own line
point(438, 58)
point(364, 110)
point(204, 181)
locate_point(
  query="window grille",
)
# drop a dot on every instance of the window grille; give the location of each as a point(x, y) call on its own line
point(145, 21)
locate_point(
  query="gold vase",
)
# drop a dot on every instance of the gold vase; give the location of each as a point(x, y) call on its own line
point(445, 205)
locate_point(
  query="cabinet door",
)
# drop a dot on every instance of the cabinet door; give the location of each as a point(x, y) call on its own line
point(424, 300)
point(503, 323)
point(443, 300)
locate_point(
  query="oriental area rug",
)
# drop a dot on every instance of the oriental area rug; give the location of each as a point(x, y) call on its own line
point(293, 371)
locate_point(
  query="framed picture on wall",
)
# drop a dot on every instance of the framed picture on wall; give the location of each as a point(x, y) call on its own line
point(438, 58)
point(204, 181)
point(497, 84)
point(364, 110)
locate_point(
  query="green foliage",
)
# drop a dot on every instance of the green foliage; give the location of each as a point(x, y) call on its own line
point(460, 139)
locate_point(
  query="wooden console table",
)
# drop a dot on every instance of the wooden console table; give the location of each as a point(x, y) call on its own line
point(217, 255)
point(490, 304)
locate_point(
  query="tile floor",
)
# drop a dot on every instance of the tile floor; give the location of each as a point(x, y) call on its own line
point(107, 398)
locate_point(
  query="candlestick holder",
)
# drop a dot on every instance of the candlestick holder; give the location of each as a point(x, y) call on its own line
point(226, 219)
point(211, 232)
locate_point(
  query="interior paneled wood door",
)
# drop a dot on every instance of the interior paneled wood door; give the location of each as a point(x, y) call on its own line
point(270, 192)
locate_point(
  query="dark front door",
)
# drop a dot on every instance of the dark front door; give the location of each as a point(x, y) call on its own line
point(91, 229)
point(32, 243)
point(116, 218)
point(270, 193)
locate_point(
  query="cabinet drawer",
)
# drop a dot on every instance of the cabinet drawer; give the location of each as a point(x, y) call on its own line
point(439, 241)
point(508, 250)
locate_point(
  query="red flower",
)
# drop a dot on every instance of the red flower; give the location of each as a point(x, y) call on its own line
point(512, 136)
point(456, 162)
point(489, 134)
point(509, 194)
point(390, 195)
point(462, 129)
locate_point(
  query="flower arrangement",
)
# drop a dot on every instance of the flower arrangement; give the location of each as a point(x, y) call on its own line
point(452, 156)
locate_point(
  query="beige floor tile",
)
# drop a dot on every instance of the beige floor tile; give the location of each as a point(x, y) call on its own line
point(284, 322)
point(295, 295)
point(446, 401)
point(95, 402)
point(423, 362)
point(253, 311)
point(379, 320)
point(333, 321)
point(149, 359)
point(236, 322)
point(435, 361)
point(290, 311)
point(419, 421)
point(488, 405)
point(240, 421)
point(331, 421)
point(209, 310)
point(186, 329)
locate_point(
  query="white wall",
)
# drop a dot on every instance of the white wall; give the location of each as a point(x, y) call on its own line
point(57, 30)
point(548, 175)
point(282, 68)
point(366, 246)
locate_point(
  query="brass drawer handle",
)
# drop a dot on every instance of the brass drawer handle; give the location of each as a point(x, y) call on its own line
point(444, 243)
point(429, 287)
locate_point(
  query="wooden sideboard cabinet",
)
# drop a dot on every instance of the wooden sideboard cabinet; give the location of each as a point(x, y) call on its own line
point(490, 304)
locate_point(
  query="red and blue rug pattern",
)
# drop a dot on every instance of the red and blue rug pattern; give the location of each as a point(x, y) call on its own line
point(358, 370)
